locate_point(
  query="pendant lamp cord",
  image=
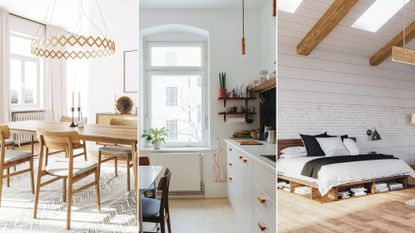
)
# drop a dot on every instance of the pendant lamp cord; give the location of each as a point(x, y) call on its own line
point(243, 18)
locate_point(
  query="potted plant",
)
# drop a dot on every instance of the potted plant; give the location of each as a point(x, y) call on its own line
point(222, 84)
point(155, 136)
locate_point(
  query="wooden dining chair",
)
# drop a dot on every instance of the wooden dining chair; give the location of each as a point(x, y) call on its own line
point(65, 169)
point(81, 146)
point(11, 158)
point(113, 152)
point(157, 211)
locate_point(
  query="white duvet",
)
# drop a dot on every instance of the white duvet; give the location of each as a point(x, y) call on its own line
point(341, 173)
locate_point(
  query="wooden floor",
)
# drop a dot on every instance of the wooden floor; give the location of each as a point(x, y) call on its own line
point(386, 212)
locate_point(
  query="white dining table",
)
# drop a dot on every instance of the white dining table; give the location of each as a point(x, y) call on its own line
point(147, 177)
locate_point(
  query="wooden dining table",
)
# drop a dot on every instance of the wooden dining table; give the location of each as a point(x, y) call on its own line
point(148, 176)
point(113, 134)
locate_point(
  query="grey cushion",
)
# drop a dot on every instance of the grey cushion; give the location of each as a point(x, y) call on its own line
point(150, 207)
point(8, 142)
point(13, 155)
point(60, 166)
point(115, 150)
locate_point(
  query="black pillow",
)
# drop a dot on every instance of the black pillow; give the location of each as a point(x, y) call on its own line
point(342, 136)
point(311, 144)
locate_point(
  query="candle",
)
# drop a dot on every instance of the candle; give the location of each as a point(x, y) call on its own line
point(73, 100)
point(79, 99)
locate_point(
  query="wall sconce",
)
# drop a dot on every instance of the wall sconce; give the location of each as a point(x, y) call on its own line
point(373, 135)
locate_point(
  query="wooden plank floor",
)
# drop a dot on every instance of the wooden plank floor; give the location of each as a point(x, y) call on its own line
point(385, 212)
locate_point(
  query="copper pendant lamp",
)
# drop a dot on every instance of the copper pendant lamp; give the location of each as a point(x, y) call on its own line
point(243, 30)
point(75, 44)
point(402, 54)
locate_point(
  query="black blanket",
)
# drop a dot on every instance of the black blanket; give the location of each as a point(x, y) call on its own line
point(311, 168)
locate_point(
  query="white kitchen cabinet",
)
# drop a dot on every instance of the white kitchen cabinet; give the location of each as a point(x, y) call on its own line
point(251, 190)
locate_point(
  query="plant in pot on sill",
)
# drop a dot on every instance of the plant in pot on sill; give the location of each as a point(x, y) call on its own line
point(155, 136)
point(222, 84)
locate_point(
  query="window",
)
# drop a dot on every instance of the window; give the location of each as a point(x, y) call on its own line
point(25, 72)
point(171, 129)
point(175, 74)
point(171, 93)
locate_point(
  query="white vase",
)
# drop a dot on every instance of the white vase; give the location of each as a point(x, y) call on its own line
point(156, 145)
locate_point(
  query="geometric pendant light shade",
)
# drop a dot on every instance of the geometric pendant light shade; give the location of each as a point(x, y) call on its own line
point(76, 44)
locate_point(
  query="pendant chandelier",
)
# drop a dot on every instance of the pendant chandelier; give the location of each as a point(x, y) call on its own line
point(403, 54)
point(243, 30)
point(75, 44)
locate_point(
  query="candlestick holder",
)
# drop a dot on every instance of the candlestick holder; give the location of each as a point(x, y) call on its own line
point(79, 114)
point(73, 125)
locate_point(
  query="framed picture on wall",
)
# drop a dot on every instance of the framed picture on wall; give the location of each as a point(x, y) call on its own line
point(130, 62)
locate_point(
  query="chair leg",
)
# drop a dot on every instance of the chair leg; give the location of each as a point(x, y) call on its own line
point(168, 223)
point(85, 153)
point(116, 166)
point(99, 162)
point(128, 174)
point(64, 189)
point(162, 227)
point(38, 179)
point(98, 198)
point(47, 156)
point(69, 204)
point(8, 178)
point(32, 175)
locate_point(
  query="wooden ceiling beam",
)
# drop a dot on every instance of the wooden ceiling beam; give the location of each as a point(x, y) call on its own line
point(325, 25)
point(386, 51)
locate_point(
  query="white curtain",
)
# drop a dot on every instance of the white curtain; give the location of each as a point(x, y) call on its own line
point(4, 67)
point(55, 83)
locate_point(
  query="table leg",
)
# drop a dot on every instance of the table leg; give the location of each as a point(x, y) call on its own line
point(135, 172)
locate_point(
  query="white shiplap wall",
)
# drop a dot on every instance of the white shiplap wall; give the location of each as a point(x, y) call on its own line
point(334, 89)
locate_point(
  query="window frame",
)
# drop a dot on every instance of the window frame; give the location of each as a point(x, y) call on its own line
point(202, 70)
point(22, 59)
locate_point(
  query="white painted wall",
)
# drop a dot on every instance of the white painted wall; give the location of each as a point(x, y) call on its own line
point(105, 75)
point(340, 92)
point(224, 29)
point(268, 37)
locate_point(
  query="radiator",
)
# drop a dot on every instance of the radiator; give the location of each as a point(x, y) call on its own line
point(26, 116)
point(186, 169)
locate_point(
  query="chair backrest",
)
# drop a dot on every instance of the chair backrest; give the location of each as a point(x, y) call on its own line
point(164, 186)
point(58, 140)
point(69, 119)
point(4, 132)
point(144, 161)
point(123, 122)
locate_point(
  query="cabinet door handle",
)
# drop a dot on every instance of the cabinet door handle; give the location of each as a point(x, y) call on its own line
point(244, 160)
point(261, 226)
point(230, 149)
point(261, 199)
point(241, 157)
point(230, 164)
point(230, 178)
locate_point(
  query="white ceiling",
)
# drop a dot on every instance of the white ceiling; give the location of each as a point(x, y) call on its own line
point(200, 4)
point(66, 12)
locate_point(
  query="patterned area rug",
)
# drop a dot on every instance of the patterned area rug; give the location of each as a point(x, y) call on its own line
point(117, 207)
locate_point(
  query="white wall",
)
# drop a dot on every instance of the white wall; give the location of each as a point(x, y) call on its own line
point(268, 38)
point(105, 75)
point(343, 94)
point(224, 29)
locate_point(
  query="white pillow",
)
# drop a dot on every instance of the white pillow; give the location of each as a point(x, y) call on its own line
point(289, 156)
point(351, 146)
point(332, 146)
point(294, 150)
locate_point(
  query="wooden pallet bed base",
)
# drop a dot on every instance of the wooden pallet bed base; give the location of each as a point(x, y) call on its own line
point(332, 194)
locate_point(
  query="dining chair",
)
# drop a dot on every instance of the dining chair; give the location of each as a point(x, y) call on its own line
point(66, 169)
point(81, 146)
point(157, 211)
point(113, 152)
point(11, 158)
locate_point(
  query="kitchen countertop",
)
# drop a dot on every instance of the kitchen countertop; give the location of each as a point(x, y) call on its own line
point(257, 150)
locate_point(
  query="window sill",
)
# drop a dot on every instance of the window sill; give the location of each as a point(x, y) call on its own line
point(29, 109)
point(174, 149)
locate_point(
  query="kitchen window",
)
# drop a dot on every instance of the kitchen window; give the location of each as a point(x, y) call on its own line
point(25, 73)
point(175, 73)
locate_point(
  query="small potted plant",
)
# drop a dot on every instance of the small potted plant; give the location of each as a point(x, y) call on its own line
point(222, 84)
point(155, 136)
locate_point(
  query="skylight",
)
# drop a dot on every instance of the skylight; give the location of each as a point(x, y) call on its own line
point(289, 6)
point(380, 12)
